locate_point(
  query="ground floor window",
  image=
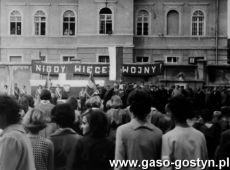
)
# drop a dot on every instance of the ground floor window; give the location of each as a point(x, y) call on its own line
point(67, 58)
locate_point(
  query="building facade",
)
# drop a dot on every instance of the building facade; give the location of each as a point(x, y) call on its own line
point(188, 36)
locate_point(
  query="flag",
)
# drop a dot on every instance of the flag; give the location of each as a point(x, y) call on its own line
point(91, 87)
point(48, 81)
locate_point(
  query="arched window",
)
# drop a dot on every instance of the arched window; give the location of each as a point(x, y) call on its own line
point(198, 23)
point(68, 23)
point(173, 23)
point(15, 23)
point(142, 23)
point(106, 22)
point(40, 23)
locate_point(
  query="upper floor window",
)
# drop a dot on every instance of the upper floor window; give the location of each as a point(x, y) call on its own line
point(15, 23)
point(198, 23)
point(15, 59)
point(143, 23)
point(142, 59)
point(40, 23)
point(173, 23)
point(106, 22)
point(172, 60)
point(68, 23)
point(68, 58)
point(103, 59)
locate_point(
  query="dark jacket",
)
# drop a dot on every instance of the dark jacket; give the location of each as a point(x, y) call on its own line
point(93, 154)
point(64, 140)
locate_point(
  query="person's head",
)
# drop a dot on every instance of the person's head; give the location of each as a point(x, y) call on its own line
point(5, 86)
point(9, 111)
point(108, 105)
point(30, 100)
point(207, 115)
point(95, 123)
point(140, 103)
point(45, 95)
point(15, 85)
point(94, 101)
point(179, 108)
point(116, 101)
point(63, 115)
point(24, 103)
point(116, 85)
point(35, 122)
point(73, 102)
point(40, 87)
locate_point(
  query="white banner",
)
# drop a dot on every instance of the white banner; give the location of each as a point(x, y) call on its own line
point(113, 62)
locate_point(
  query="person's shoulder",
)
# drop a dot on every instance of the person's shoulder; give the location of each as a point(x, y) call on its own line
point(196, 131)
point(47, 141)
point(14, 139)
point(172, 133)
point(125, 128)
point(157, 130)
point(226, 133)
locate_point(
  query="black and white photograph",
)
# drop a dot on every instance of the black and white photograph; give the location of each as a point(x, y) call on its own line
point(114, 84)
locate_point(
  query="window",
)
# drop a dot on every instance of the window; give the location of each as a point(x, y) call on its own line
point(193, 60)
point(173, 23)
point(68, 58)
point(40, 23)
point(143, 23)
point(52, 77)
point(15, 23)
point(16, 59)
point(106, 22)
point(68, 23)
point(43, 58)
point(103, 59)
point(172, 60)
point(198, 23)
point(142, 59)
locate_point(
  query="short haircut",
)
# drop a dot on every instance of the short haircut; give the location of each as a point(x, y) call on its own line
point(72, 101)
point(180, 108)
point(10, 108)
point(30, 100)
point(98, 123)
point(24, 103)
point(45, 95)
point(140, 102)
point(63, 115)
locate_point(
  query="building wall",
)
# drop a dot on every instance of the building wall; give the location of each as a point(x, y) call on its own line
point(87, 43)
point(187, 44)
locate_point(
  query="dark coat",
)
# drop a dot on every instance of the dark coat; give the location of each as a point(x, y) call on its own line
point(64, 140)
point(93, 154)
point(223, 151)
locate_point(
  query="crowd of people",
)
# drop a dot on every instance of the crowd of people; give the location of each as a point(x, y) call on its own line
point(122, 122)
